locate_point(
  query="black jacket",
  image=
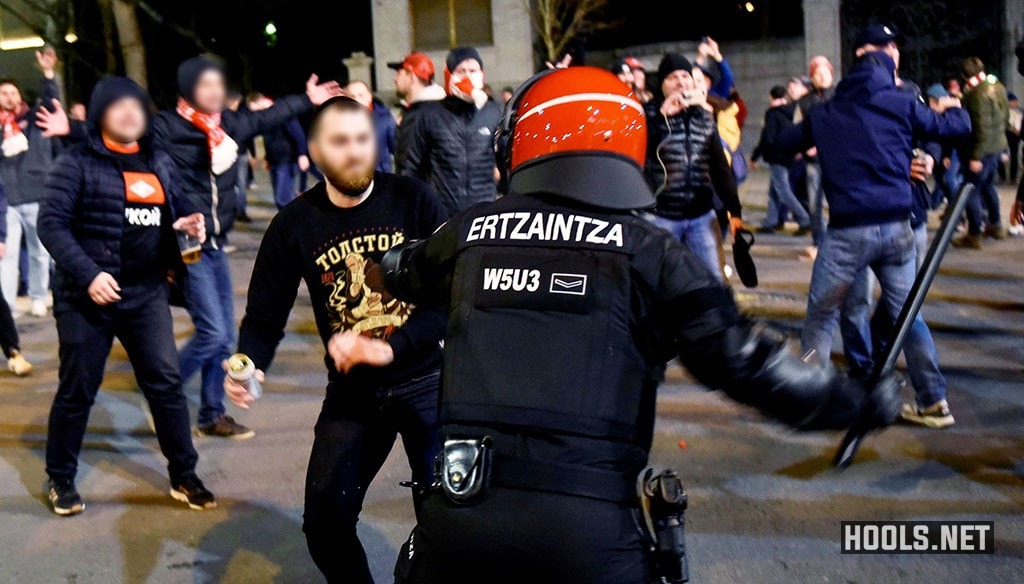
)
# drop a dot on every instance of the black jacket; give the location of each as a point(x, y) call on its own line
point(776, 121)
point(81, 222)
point(451, 148)
point(592, 303)
point(23, 175)
point(686, 163)
point(201, 191)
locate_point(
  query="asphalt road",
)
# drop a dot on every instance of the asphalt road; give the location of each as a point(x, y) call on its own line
point(764, 505)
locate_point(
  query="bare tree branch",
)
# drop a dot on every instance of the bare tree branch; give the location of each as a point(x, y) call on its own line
point(559, 22)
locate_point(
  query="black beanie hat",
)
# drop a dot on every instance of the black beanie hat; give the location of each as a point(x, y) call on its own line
point(192, 69)
point(111, 89)
point(460, 54)
point(673, 62)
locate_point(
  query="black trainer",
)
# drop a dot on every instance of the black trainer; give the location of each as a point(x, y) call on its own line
point(192, 491)
point(64, 498)
point(225, 427)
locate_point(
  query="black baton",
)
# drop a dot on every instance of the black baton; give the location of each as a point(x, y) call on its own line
point(915, 299)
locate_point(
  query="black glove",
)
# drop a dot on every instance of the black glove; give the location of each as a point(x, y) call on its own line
point(882, 406)
point(851, 405)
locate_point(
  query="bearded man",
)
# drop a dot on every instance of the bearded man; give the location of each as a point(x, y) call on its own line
point(451, 146)
point(383, 365)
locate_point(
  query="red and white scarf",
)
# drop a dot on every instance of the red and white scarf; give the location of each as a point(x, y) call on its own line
point(14, 142)
point(223, 150)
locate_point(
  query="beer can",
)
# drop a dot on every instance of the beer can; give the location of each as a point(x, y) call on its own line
point(243, 370)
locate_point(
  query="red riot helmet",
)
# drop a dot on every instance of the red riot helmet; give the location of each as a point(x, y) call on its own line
point(577, 133)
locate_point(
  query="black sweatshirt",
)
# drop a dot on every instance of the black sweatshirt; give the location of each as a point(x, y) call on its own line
point(337, 252)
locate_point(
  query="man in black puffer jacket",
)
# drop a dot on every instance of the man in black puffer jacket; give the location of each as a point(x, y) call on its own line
point(108, 219)
point(686, 164)
point(202, 139)
point(452, 145)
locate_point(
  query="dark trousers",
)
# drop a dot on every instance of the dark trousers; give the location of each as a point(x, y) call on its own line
point(8, 332)
point(352, 441)
point(524, 536)
point(142, 322)
point(983, 208)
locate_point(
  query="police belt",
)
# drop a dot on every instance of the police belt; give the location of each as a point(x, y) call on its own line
point(580, 481)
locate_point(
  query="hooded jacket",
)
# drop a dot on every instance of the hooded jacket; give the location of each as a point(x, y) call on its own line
point(82, 218)
point(451, 148)
point(23, 175)
point(201, 190)
point(989, 110)
point(865, 137)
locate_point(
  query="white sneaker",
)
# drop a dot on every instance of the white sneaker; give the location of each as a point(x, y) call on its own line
point(934, 416)
point(38, 308)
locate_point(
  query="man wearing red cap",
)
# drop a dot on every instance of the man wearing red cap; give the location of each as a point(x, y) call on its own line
point(451, 146)
point(414, 83)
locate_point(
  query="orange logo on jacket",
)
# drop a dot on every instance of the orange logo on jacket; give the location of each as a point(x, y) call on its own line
point(143, 187)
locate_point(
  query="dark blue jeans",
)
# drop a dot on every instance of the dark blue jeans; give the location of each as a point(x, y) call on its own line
point(701, 235)
point(889, 250)
point(142, 322)
point(283, 178)
point(983, 208)
point(211, 304)
point(782, 201)
point(353, 438)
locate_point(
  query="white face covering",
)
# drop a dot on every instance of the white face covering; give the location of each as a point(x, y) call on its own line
point(224, 155)
point(14, 145)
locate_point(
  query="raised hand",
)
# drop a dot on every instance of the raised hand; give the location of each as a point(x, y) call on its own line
point(47, 61)
point(321, 92)
point(53, 123)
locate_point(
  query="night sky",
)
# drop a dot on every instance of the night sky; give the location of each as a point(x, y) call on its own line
point(314, 35)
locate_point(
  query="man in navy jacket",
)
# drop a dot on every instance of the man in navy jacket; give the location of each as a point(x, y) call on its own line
point(108, 219)
point(864, 137)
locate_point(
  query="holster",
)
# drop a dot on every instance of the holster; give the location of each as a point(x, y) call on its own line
point(462, 470)
point(663, 504)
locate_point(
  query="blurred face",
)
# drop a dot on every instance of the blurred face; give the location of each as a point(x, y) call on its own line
point(211, 92)
point(626, 76)
point(795, 90)
point(640, 79)
point(259, 102)
point(506, 96)
point(822, 78)
point(344, 148)
point(403, 82)
point(468, 68)
point(10, 97)
point(1013, 104)
point(358, 91)
point(891, 49)
point(77, 112)
point(125, 120)
point(679, 81)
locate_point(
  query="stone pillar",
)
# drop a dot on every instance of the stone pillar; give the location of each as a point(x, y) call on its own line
point(1013, 33)
point(360, 68)
point(822, 28)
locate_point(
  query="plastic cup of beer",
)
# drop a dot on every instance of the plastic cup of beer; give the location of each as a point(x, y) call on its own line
point(191, 249)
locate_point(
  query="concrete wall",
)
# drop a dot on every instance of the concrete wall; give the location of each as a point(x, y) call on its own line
point(507, 62)
point(758, 66)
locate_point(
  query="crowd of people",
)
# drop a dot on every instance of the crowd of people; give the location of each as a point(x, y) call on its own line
point(124, 200)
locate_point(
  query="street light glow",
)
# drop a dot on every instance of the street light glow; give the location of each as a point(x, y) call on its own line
point(32, 42)
point(749, 6)
point(270, 29)
point(71, 37)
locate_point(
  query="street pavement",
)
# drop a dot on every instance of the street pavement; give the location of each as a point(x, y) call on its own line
point(764, 504)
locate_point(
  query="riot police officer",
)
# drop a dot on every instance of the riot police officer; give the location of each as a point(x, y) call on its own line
point(564, 304)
